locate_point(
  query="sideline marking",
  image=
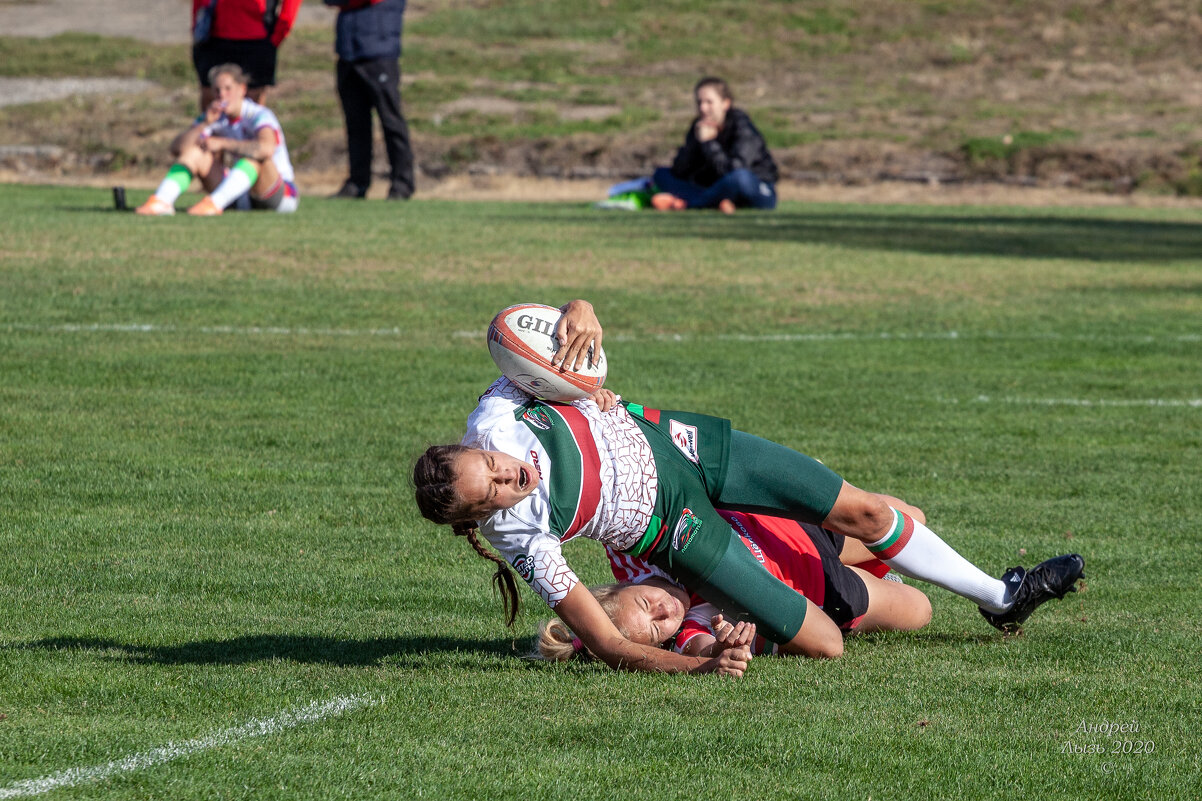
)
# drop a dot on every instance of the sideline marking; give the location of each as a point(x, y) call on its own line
point(1195, 403)
point(152, 328)
point(885, 336)
point(256, 727)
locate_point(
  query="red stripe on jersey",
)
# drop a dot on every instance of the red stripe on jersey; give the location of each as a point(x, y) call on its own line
point(590, 468)
point(651, 415)
point(617, 564)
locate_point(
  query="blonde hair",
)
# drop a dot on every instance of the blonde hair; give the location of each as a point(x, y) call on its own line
point(232, 70)
point(557, 642)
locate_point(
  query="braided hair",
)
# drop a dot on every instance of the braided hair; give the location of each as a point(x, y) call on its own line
point(434, 477)
point(557, 643)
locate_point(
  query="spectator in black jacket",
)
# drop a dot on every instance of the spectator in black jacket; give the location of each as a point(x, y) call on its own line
point(368, 42)
point(724, 163)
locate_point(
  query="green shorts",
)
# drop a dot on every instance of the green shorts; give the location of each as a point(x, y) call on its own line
point(691, 542)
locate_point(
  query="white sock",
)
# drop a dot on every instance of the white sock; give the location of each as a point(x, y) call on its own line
point(236, 183)
point(914, 550)
point(177, 181)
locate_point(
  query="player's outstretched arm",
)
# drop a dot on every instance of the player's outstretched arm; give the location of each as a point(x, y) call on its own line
point(580, 610)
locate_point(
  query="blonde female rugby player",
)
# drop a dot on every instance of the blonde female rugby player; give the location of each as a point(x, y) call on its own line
point(236, 127)
point(839, 578)
point(531, 474)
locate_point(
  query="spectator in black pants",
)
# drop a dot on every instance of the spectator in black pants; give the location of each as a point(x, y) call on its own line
point(368, 43)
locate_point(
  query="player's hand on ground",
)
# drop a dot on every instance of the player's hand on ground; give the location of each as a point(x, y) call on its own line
point(732, 662)
point(578, 331)
point(605, 399)
point(728, 635)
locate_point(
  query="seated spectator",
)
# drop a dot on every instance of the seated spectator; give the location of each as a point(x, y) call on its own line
point(724, 163)
point(249, 134)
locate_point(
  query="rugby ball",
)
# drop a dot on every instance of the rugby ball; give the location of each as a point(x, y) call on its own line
point(522, 342)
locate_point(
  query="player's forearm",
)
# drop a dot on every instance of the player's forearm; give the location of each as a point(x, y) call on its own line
point(625, 655)
point(251, 149)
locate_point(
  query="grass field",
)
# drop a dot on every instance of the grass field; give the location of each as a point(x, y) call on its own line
point(215, 583)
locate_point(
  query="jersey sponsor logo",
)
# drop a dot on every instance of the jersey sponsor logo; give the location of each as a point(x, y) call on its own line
point(537, 466)
point(537, 416)
point(685, 438)
point(524, 565)
point(687, 526)
point(736, 520)
point(754, 548)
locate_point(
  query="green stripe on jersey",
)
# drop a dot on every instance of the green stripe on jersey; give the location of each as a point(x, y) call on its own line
point(566, 478)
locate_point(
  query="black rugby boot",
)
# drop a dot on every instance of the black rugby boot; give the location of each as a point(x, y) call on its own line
point(1050, 579)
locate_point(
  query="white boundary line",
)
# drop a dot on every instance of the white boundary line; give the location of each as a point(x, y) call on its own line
point(1195, 403)
point(256, 727)
point(884, 336)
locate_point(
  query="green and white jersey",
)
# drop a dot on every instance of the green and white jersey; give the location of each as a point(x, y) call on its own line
point(597, 480)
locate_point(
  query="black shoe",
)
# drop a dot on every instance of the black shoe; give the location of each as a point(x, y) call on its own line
point(399, 193)
point(1053, 578)
point(350, 190)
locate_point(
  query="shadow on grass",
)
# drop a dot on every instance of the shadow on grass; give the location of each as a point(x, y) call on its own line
point(396, 651)
point(966, 234)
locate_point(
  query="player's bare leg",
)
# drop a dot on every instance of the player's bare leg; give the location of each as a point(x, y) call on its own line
point(892, 606)
point(818, 637)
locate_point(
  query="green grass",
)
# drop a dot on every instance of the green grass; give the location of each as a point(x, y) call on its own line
point(206, 520)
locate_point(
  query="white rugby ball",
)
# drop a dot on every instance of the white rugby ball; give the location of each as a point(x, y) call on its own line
point(522, 342)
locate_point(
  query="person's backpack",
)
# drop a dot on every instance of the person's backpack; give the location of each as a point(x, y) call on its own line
point(202, 25)
point(271, 13)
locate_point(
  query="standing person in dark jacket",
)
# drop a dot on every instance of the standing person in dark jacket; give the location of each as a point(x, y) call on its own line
point(368, 42)
point(243, 32)
point(724, 163)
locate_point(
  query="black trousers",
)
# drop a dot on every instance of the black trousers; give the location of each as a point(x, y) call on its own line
point(362, 86)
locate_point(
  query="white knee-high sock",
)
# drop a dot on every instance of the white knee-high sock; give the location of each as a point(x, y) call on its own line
point(237, 182)
point(175, 184)
point(914, 550)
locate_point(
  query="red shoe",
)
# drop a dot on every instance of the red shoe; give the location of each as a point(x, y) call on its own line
point(205, 208)
point(154, 207)
point(666, 202)
point(726, 206)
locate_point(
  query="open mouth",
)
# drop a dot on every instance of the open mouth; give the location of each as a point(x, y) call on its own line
point(523, 478)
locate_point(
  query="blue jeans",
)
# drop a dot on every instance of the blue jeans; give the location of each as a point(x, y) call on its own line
point(741, 186)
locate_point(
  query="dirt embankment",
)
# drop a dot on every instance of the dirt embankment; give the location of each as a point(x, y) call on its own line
point(581, 166)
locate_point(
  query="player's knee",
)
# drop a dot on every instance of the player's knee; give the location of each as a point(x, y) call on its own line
point(819, 638)
point(828, 649)
point(194, 158)
point(861, 514)
point(920, 610)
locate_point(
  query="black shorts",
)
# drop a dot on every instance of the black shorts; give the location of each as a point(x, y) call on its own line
point(256, 57)
point(845, 595)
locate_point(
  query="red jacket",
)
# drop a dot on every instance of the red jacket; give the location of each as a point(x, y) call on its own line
point(243, 19)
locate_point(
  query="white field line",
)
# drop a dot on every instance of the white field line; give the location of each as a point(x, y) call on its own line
point(885, 336)
point(256, 727)
point(226, 330)
point(1195, 403)
point(945, 336)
